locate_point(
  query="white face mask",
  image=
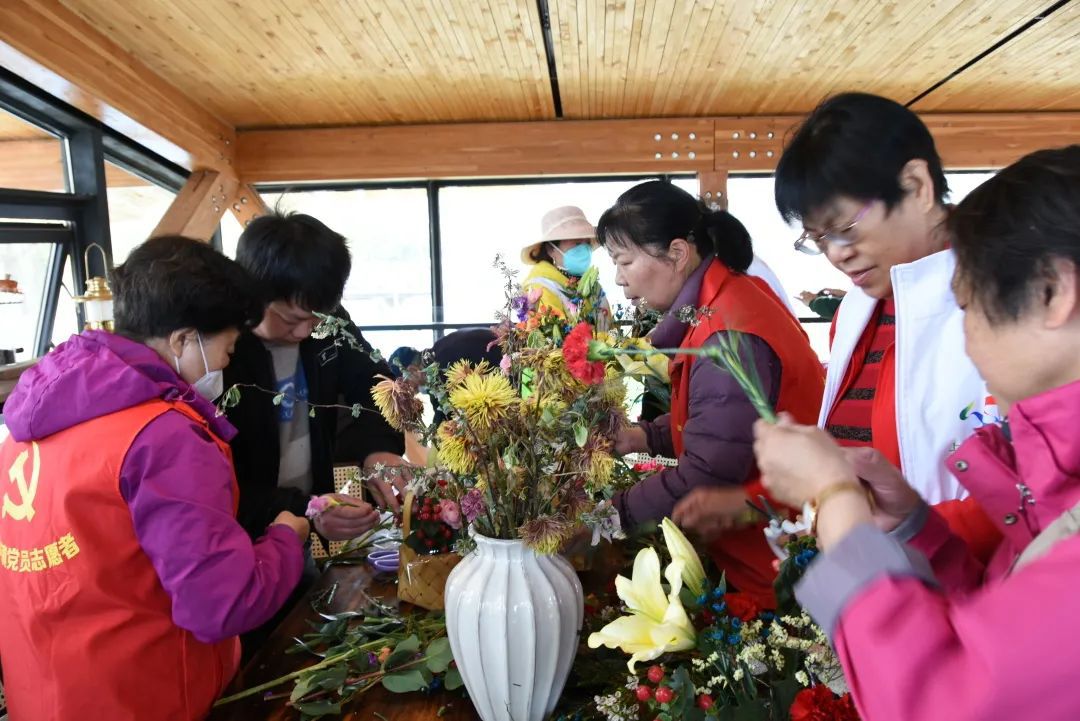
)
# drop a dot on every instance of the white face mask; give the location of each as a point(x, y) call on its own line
point(212, 383)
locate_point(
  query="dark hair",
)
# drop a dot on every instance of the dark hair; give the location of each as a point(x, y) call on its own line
point(401, 359)
point(1009, 230)
point(541, 252)
point(854, 145)
point(653, 214)
point(172, 282)
point(295, 257)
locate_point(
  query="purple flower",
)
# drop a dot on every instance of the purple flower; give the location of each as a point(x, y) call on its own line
point(504, 365)
point(472, 505)
point(520, 307)
point(317, 505)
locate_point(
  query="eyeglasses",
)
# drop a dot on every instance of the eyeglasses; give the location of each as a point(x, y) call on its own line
point(818, 243)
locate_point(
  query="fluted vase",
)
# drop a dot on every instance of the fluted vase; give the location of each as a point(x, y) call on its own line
point(513, 617)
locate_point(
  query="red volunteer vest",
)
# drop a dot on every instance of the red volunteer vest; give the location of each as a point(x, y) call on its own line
point(746, 304)
point(86, 629)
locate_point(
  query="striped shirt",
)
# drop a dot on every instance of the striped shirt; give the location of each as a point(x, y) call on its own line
point(850, 420)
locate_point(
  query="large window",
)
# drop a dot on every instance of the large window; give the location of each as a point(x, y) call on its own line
point(31, 158)
point(479, 222)
point(27, 264)
point(136, 206)
point(388, 236)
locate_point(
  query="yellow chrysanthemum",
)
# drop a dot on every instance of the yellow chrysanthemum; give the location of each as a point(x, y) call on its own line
point(545, 534)
point(397, 401)
point(459, 371)
point(453, 451)
point(601, 466)
point(614, 391)
point(484, 399)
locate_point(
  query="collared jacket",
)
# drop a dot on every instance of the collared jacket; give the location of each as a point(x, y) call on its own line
point(924, 631)
point(336, 374)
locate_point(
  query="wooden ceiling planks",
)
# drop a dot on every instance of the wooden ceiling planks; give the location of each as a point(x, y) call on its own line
point(332, 62)
point(1038, 70)
point(721, 57)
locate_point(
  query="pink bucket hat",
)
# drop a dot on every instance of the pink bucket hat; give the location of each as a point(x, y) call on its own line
point(565, 223)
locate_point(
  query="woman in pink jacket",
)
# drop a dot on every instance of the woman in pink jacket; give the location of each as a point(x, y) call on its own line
point(923, 631)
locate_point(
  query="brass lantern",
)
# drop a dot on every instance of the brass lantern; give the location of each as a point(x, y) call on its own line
point(98, 299)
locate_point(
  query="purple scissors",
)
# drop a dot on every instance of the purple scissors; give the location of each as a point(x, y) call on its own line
point(384, 560)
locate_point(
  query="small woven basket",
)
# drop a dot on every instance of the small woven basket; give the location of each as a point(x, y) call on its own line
point(422, 577)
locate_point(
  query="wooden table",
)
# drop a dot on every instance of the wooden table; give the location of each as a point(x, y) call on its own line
point(271, 661)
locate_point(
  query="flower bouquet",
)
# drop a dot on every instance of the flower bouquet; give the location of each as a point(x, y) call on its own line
point(526, 450)
point(701, 653)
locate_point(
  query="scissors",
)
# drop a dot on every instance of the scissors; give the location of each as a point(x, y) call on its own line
point(384, 560)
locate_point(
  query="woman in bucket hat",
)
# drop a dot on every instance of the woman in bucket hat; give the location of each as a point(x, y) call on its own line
point(560, 258)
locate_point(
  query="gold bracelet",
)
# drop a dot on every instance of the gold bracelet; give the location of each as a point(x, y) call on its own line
point(830, 491)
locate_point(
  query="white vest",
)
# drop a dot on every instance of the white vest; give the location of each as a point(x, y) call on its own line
point(940, 398)
point(760, 268)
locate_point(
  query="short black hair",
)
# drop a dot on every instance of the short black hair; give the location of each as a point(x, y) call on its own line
point(295, 257)
point(1008, 231)
point(854, 145)
point(652, 214)
point(172, 282)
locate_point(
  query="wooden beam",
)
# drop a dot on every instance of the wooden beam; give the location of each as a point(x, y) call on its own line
point(712, 188)
point(247, 205)
point(51, 46)
point(966, 141)
point(198, 206)
point(663, 145)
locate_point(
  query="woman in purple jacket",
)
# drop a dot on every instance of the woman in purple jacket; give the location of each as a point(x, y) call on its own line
point(136, 475)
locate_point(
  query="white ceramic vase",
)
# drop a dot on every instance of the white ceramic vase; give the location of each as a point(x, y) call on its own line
point(513, 617)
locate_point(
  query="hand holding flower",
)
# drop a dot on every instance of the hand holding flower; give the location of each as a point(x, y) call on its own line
point(338, 517)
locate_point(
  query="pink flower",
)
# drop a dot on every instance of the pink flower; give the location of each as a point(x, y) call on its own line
point(472, 505)
point(450, 513)
point(504, 365)
point(533, 296)
point(317, 505)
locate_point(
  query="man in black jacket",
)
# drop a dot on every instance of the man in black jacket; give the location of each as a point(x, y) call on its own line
point(285, 449)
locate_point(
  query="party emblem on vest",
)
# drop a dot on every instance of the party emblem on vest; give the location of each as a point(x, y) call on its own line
point(24, 510)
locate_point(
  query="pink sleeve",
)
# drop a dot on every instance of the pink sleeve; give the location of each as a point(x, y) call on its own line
point(1003, 652)
point(954, 567)
point(178, 486)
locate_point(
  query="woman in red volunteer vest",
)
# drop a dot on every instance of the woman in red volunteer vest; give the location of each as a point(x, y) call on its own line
point(674, 255)
point(126, 578)
point(863, 176)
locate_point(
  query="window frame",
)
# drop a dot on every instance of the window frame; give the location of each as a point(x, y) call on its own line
point(84, 210)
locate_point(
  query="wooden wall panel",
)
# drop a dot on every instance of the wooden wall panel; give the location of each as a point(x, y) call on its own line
point(51, 46)
point(735, 144)
point(646, 58)
point(1039, 70)
point(331, 62)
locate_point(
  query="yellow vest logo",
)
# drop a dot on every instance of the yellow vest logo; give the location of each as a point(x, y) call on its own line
point(24, 510)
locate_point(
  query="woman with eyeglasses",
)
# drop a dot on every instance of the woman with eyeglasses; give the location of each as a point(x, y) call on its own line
point(863, 176)
point(923, 630)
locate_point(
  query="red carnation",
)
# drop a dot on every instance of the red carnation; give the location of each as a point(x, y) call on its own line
point(742, 606)
point(576, 354)
point(818, 703)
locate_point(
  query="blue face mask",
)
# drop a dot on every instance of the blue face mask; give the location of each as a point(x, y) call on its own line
point(577, 260)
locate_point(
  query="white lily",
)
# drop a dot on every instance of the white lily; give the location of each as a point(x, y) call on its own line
point(657, 625)
point(682, 550)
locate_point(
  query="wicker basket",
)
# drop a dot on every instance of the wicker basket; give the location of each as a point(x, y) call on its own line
point(422, 577)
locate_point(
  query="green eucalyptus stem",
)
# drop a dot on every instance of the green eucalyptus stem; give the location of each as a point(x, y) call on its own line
point(333, 660)
point(726, 354)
